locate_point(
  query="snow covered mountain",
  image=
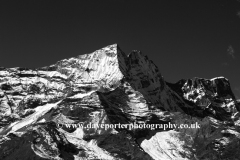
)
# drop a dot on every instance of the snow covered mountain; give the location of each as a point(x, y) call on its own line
point(41, 109)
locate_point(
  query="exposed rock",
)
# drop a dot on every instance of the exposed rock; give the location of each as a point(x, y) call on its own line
point(42, 109)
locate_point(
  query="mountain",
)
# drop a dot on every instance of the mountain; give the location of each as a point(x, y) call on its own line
point(46, 112)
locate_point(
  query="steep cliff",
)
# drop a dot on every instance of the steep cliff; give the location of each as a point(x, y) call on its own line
point(41, 110)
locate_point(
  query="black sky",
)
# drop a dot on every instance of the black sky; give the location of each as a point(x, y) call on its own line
point(184, 38)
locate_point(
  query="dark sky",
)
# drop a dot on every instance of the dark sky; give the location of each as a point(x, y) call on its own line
point(184, 38)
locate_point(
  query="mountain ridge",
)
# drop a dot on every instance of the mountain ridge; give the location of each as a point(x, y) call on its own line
point(116, 88)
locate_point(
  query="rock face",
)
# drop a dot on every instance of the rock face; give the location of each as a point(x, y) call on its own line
point(41, 111)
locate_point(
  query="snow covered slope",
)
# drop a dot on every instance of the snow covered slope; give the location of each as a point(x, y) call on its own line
point(41, 109)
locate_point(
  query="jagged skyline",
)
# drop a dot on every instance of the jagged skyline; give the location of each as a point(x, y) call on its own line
point(55, 112)
point(185, 39)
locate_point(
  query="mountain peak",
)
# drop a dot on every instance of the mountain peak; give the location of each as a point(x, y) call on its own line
point(41, 108)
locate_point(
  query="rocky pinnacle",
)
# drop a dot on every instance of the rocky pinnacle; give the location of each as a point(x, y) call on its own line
point(41, 111)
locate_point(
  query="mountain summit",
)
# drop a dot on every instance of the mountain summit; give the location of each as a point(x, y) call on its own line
point(41, 111)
